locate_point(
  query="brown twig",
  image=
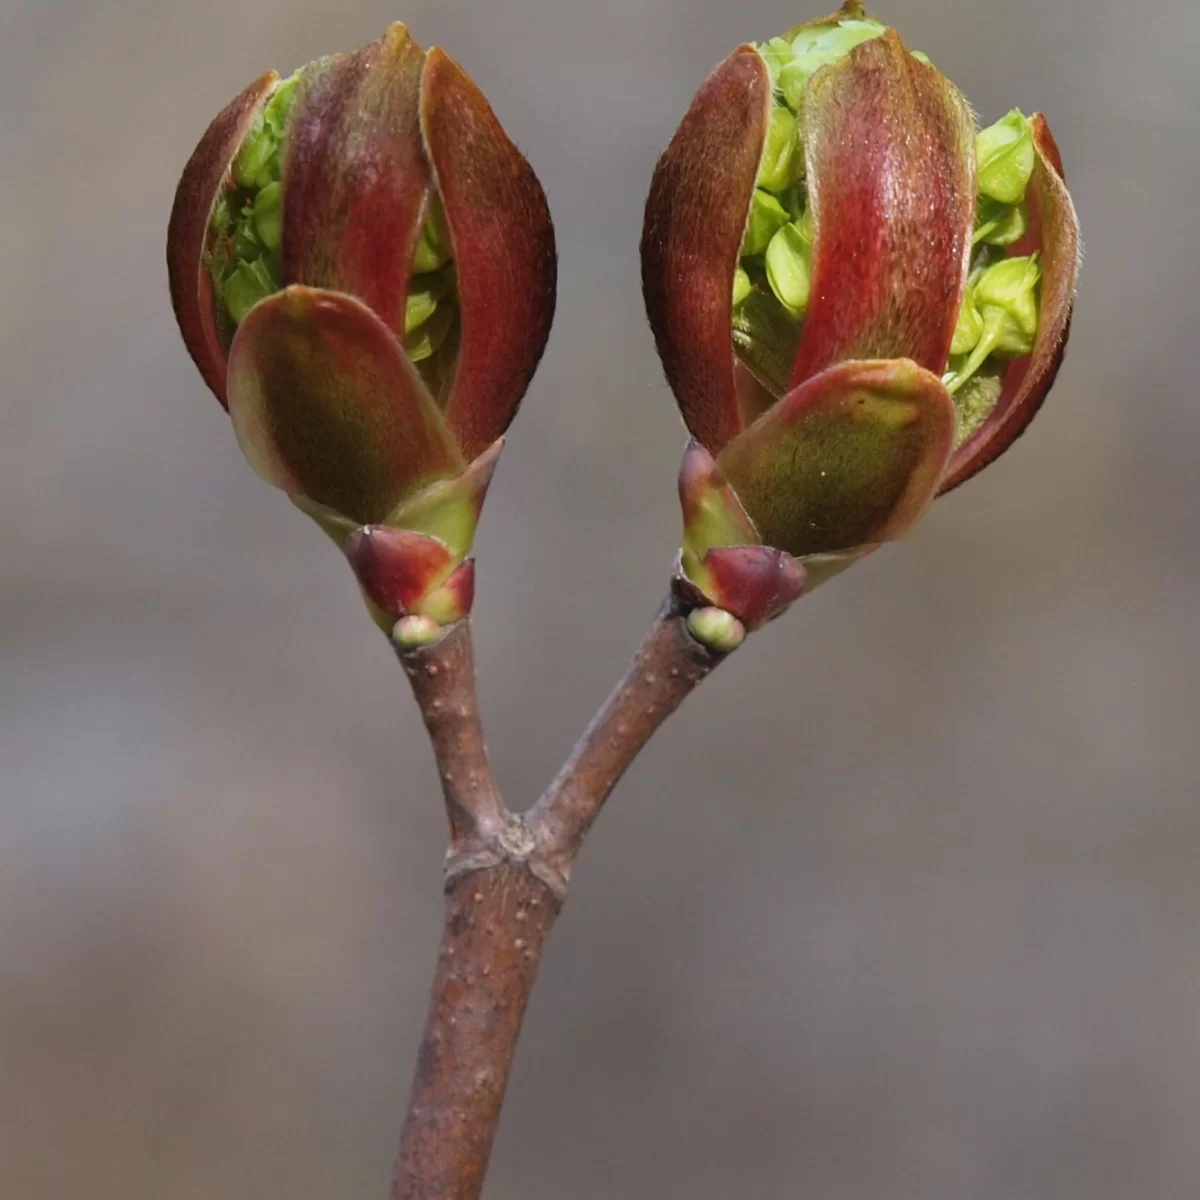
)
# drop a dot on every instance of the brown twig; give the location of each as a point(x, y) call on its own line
point(497, 921)
point(668, 666)
point(443, 682)
point(506, 878)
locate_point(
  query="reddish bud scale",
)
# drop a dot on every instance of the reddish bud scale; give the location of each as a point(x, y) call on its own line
point(695, 219)
point(504, 244)
point(405, 574)
point(892, 189)
point(205, 174)
point(357, 181)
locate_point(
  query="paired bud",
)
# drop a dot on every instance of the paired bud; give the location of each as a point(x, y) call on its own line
point(859, 302)
point(363, 268)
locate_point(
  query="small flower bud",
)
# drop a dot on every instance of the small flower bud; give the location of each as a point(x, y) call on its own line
point(779, 166)
point(820, 45)
point(969, 329)
point(766, 216)
point(249, 283)
point(789, 268)
point(998, 224)
point(777, 53)
point(1006, 156)
point(742, 286)
point(434, 249)
point(1005, 297)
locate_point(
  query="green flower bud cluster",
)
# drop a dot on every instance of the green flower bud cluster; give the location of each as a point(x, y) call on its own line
point(244, 255)
point(774, 278)
point(246, 229)
point(999, 317)
point(431, 310)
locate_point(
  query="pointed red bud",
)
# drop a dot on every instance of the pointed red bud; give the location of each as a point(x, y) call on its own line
point(403, 573)
point(1054, 236)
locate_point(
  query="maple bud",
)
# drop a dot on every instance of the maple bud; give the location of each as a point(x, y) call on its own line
point(894, 333)
point(363, 268)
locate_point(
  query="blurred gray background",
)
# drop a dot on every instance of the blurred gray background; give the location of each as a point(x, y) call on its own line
point(904, 904)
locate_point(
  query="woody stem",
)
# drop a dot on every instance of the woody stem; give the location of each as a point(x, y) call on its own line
point(506, 879)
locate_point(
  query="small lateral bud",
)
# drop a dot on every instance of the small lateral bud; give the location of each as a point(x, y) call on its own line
point(716, 630)
point(416, 633)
